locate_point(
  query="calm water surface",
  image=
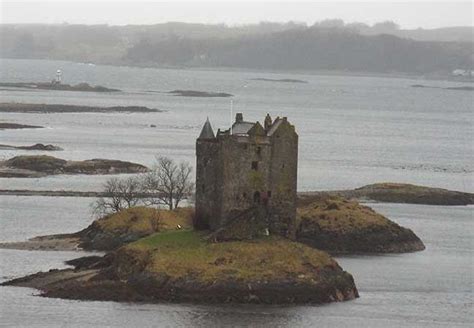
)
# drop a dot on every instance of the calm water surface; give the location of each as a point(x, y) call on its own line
point(353, 131)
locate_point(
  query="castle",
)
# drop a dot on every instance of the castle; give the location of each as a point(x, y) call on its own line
point(247, 166)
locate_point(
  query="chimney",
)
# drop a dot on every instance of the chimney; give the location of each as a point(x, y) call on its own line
point(239, 118)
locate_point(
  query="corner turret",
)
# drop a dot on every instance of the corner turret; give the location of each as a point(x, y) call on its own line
point(207, 132)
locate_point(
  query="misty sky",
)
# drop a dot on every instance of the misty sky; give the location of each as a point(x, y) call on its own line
point(414, 14)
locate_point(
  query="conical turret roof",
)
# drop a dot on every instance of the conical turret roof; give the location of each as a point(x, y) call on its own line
point(207, 132)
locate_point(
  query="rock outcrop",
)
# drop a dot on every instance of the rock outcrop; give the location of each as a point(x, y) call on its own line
point(339, 226)
point(42, 165)
point(58, 108)
point(117, 229)
point(181, 266)
point(38, 146)
point(194, 93)
point(394, 193)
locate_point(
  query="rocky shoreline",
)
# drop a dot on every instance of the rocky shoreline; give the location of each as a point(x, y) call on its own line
point(84, 87)
point(154, 256)
point(383, 193)
point(394, 193)
point(128, 275)
point(38, 146)
point(42, 165)
point(279, 80)
point(15, 126)
point(340, 226)
point(56, 108)
point(194, 93)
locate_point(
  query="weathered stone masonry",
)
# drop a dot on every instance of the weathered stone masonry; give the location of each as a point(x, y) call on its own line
point(249, 166)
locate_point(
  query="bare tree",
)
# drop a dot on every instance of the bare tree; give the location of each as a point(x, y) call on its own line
point(119, 194)
point(168, 182)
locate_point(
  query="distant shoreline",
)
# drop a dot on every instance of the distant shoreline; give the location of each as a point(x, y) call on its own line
point(58, 108)
point(397, 75)
point(376, 193)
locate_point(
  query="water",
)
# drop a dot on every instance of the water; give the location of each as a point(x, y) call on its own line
point(353, 131)
point(432, 288)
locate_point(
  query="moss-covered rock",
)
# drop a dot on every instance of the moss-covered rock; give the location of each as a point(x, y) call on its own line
point(117, 229)
point(183, 266)
point(41, 165)
point(337, 225)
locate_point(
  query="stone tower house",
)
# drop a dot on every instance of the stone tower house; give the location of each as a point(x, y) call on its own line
point(248, 166)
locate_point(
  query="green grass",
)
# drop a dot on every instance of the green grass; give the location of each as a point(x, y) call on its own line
point(187, 253)
point(336, 214)
point(146, 220)
point(180, 238)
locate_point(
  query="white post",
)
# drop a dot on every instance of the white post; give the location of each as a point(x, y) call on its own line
point(231, 114)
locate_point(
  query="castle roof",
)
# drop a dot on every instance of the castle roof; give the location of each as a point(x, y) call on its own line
point(207, 132)
point(275, 126)
point(242, 127)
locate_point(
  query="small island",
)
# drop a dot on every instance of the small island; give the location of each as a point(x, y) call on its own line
point(14, 126)
point(57, 108)
point(159, 263)
point(278, 80)
point(340, 226)
point(390, 192)
point(194, 93)
point(32, 166)
point(38, 146)
point(84, 87)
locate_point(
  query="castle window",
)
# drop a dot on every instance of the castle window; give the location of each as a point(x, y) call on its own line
point(245, 195)
point(282, 166)
point(259, 150)
point(269, 193)
point(255, 166)
point(203, 187)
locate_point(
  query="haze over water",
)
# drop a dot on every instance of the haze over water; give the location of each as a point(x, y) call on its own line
point(353, 131)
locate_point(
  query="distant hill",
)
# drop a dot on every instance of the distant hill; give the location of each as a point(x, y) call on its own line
point(328, 45)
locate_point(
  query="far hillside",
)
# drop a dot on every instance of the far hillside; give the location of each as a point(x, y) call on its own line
point(329, 45)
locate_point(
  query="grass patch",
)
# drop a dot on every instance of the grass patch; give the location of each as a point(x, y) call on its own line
point(336, 214)
point(146, 220)
point(184, 254)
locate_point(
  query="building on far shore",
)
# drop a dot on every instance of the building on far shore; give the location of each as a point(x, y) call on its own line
point(248, 166)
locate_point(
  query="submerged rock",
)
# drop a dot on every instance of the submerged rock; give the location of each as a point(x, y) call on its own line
point(337, 225)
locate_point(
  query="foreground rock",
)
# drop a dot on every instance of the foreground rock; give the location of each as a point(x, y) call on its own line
point(182, 266)
point(194, 93)
point(14, 126)
point(84, 87)
point(339, 226)
point(47, 108)
point(395, 193)
point(38, 146)
point(38, 166)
